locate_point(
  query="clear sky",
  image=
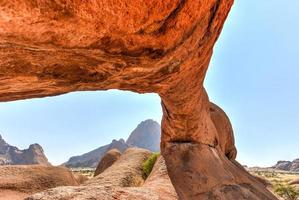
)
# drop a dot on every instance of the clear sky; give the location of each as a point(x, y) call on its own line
point(254, 77)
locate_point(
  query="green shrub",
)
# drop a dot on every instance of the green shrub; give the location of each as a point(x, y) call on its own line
point(287, 192)
point(148, 165)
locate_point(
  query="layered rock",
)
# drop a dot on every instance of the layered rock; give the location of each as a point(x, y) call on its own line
point(108, 159)
point(54, 47)
point(11, 155)
point(287, 165)
point(147, 135)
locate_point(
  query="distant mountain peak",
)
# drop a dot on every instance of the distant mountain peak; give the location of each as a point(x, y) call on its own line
point(34, 146)
point(148, 122)
point(114, 141)
point(287, 165)
point(11, 155)
point(91, 159)
point(146, 135)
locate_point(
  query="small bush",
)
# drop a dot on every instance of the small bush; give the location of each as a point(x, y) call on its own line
point(148, 165)
point(287, 192)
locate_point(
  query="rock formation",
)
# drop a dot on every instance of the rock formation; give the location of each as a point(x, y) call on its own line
point(295, 166)
point(54, 47)
point(108, 159)
point(123, 180)
point(295, 182)
point(126, 172)
point(159, 181)
point(283, 165)
point(224, 130)
point(10, 155)
point(28, 179)
point(147, 136)
point(92, 158)
point(287, 165)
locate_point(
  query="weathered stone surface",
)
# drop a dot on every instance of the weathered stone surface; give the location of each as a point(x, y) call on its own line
point(34, 178)
point(263, 180)
point(113, 183)
point(13, 195)
point(125, 172)
point(54, 47)
point(224, 131)
point(210, 175)
point(109, 158)
point(159, 181)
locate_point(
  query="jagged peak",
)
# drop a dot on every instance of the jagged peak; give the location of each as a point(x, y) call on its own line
point(2, 140)
point(118, 141)
point(148, 123)
point(35, 146)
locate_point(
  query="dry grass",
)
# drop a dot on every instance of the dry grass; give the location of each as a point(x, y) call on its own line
point(276, 177)
point(83, 173)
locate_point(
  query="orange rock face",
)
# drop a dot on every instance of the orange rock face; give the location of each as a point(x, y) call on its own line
point(224, 131)
point(109, 158)
point(121, 181)
point(163, 46)
point(34, 178)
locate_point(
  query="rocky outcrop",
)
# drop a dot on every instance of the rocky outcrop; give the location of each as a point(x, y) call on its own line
point(263, 180)
point(237, 184)
point(295, 182)
point(10, 155)
point(123, 180)
point(34, 178)
point(125, 172)
point(224, 131)
point(287, 165)
point(159, 181)
point(108, 159)
point(12, 195)
point(147, 136)
point(283, 165)
point(54, 47)
point(295, 166)
point(92, 158)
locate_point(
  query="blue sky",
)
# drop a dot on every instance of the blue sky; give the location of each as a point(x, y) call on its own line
point(253, 76)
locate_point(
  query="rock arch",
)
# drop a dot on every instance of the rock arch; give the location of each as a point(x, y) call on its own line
point(52, 47)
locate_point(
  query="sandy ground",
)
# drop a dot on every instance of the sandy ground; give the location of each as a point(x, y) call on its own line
point(12, 195)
